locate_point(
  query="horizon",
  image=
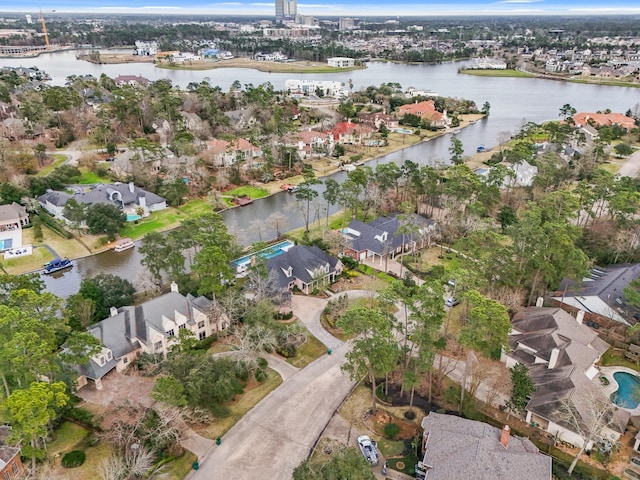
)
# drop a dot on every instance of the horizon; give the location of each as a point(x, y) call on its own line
point(355, 8)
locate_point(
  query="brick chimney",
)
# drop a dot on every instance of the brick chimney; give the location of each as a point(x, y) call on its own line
point(504, 436)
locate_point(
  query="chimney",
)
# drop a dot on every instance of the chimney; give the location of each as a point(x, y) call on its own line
point(174, 287)
point(580, 316)
point(131, 187)
point(539, 301)
point(504, 436)
point(113, 311)
point(553, 359)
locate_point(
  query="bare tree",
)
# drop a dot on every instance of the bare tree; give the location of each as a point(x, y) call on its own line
point(251, 341)
point(477, 373)
point(145, 282)
point(499, 386)
point(278, 222)
point(589, 413)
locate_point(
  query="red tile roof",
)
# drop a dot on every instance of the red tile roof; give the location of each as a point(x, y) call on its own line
point(604, 119)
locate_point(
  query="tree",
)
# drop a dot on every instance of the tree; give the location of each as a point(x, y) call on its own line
point(375, 351)
point(456, 150)
point(507, 217)
point(521, 387)
point(623, 149)
point(486, 107)
point(306, 193)
point(106, 291)
point(588, 413)
point(213, 267)
point(74, 212)
point(488, 326)
point(567, 111)
point(103, 218)
point(170, 391)
point(31, 411)
point(345, 464)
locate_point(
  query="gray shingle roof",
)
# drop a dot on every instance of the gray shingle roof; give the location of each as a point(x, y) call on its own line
point(59, 199)
point(303, 261)
point(461, 449)
point(12, 212)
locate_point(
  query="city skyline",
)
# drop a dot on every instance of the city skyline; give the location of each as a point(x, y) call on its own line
point(337, 7)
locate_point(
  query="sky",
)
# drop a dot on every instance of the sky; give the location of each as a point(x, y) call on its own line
point(338, 7)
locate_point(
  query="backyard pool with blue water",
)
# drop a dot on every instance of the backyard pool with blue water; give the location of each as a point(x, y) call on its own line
point(628, 393)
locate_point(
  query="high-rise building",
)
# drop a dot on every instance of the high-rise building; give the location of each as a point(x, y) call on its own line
point(286, 9)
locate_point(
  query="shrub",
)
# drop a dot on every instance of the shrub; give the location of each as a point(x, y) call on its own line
point(73, 459)
point(391, 430)
point(349, 262)
point(262, 362)
point(410, 415)
point(82, 416)
point(260, 375)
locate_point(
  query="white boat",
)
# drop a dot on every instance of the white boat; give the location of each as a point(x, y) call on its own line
point(348, 168)
point(124, 244)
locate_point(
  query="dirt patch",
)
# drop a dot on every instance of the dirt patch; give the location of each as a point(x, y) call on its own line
point(382, 418)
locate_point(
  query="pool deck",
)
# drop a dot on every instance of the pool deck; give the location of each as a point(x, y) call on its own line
point(613, 385)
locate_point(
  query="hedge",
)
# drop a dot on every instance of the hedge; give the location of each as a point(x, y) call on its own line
point(73, 459)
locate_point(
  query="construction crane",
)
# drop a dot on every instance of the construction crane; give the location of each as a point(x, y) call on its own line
point(44, 30)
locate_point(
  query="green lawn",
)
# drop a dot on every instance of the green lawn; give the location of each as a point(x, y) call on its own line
point(88, 178)
point(179, 468)
point(67, 437)
point(612, 358)
point(249, 191)
point(496, 73)
point(307, 353)
point(58, 160)
point(390, 448)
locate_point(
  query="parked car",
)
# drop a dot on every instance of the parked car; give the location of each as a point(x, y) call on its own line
point(451, 302)
point(368, 449)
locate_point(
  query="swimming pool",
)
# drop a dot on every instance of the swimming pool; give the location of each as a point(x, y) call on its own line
point(402, 130)
point(242, 264)
point(132, 217)
point(628, 393)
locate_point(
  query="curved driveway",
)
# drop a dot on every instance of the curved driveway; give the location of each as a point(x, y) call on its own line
point(279, 432)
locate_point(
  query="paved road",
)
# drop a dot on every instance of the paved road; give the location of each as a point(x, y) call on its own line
point(631, 167)
point(279, 433)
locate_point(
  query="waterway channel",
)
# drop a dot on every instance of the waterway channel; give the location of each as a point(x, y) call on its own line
point(514, 101)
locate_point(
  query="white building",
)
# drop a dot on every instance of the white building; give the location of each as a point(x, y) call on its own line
point(144, 48)
point(341, 62)
point(326, 88)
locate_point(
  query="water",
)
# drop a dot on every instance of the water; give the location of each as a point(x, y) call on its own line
point(514, 101)
point(628, 393)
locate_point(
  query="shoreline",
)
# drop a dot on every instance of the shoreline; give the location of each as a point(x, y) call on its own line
point(543, 76)
point(275, 186)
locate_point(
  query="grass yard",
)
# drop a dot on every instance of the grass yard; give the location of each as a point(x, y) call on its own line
point(58, 159)
point(179, 468)
point(89, 178)
point(390, 448)
point(496, 73)
point(67, 437)
point(156, 222)
point(240, 406)
point(308, 352)
point(249, 191)
point(616, 358)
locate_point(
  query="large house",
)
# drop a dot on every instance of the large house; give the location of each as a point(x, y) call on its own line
point(126, 196)
point(12, 218)
point(601, 294)
point(225, 154)
point(385, 236)
point(604, 120)
point(308, 143)
point(351, 133)
point(150, 328)
point(459, 449)
point(10, 464)
point(426, 110)
point(305, 268)
point(560, 353)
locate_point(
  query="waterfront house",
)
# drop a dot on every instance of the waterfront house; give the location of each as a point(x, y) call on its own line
point(305, 268)
point(151, 327)
point(384, 236)
point(130, 198)
point(560, 353)
point(350, 133)
point(603, 120)
point(12, 218)
point(426, 110)
point(225, 154)
point(456, 448)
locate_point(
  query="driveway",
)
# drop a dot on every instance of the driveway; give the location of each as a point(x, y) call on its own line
point(631, 167)
point(280, 432)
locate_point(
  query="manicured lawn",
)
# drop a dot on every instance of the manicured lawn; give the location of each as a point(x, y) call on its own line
point(406, 465)
point(156, 222)
point(249, 191)
point(67, 437)
point(195, 207)
point(308, 352)
point(58, 160)
point(88, 178)
point(612, 358)
point(241, 405)
point(390, 448)
point(179, 468)
point(497, 73)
